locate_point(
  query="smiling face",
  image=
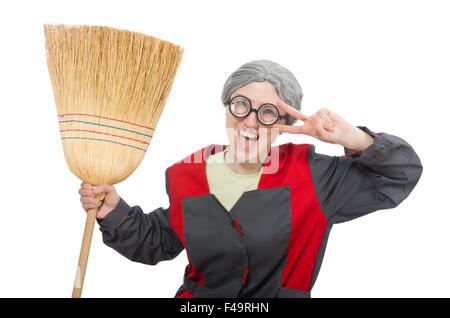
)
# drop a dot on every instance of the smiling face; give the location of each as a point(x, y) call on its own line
point(250, 141)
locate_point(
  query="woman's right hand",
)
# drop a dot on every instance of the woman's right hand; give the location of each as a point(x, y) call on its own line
point(88, 198)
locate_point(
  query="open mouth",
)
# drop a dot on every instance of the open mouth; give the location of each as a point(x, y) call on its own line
point(246, 134)
point(246, 138)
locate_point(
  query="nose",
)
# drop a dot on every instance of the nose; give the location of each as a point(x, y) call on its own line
point(251, 120)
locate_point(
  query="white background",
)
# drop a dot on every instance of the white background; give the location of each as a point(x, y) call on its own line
point(380, 64)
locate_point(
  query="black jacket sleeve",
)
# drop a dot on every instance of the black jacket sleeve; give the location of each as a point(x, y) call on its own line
point(357, 183)
point(144, 238)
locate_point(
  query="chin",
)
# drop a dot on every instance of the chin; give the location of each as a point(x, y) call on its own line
point(255, 153)
point(247, 156)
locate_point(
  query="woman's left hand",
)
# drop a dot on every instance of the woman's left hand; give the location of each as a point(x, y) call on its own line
point(326, 126)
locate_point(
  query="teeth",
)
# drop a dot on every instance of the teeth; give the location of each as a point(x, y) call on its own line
point(247, 134)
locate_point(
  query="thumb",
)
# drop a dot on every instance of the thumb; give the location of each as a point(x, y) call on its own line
point(103, 188)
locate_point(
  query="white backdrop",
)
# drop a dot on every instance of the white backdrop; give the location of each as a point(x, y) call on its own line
point(380, 64)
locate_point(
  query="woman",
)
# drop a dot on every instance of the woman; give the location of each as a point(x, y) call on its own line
point(254, 218)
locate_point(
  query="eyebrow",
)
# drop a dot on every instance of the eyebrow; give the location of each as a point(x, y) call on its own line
point(245, 97)
point(279, 110)
point(250, 100)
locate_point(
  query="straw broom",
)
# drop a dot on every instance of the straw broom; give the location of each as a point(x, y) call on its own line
point(110, 87)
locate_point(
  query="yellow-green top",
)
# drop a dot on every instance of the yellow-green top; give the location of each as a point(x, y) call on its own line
point(227, 185)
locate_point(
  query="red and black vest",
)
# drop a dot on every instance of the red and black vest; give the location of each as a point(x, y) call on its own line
point(267, 245)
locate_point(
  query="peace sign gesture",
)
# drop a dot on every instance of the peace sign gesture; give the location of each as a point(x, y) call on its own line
point(326, 126)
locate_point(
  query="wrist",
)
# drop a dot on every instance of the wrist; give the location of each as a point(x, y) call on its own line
point(115, 217)
point(358, 140)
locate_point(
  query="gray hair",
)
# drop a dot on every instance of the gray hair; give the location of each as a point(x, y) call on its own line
point(280, 77)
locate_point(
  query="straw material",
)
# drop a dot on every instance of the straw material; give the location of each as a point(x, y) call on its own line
point(110, 87)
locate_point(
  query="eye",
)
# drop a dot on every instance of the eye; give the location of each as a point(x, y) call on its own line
point(240, 106)
point(241, 103)
point(268, 114)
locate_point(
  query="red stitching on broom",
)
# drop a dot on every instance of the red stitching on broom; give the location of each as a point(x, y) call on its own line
point(122, 121)
point(97, 132)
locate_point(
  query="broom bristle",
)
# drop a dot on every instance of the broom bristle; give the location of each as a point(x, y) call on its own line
point(110, 87)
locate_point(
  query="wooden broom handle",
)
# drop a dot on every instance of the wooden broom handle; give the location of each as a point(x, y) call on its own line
point(84, 252)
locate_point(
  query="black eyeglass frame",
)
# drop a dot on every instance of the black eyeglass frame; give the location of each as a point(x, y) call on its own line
point(251, 109)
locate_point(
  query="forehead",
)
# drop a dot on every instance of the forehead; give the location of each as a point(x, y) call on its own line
point(258, 93)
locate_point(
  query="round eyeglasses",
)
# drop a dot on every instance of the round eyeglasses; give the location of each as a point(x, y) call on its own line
point(267, 114)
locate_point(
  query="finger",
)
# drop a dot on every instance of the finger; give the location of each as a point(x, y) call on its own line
point(86, 193)
point(317, 124)
point(103, 188)
point(289, 129)
point(85, 185)
point(292, 111)
point(335, 117)
point(89, 206)
point(328, 123)
point(89, 200)
point(92, 205)
point(329, 126)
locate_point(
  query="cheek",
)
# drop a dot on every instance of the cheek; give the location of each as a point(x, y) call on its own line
point(230, 126)
point(267, 138)
point(227, 120)
point(231, 122)
point(271, 135)
point(230, 119)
